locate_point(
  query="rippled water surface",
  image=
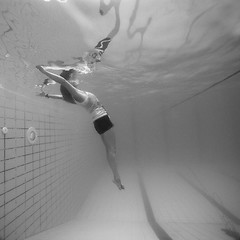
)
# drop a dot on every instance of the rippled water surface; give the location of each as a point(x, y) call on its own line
point(170, 49)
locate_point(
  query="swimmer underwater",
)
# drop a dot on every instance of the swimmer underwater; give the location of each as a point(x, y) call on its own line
point(68, 79)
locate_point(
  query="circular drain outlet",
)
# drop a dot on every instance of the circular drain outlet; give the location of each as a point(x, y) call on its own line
point(32, 135)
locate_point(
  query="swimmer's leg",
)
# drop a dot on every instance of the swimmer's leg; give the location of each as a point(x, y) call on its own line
point(109, 141)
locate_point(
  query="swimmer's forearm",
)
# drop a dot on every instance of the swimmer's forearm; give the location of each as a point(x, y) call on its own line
point(56, 67)
point(54, 96)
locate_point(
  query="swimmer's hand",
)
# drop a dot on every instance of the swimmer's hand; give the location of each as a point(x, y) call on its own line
point(40, 68)
point(42, 94)
point(119, 184)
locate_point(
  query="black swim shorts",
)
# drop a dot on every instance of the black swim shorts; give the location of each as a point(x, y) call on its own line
point(103, 124)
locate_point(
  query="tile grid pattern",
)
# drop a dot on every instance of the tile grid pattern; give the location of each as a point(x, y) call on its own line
point(35, 180)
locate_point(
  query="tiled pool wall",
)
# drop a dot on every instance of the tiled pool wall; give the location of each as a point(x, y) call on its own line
point(43, 184)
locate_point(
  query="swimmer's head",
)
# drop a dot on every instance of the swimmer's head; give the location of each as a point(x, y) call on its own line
point(75, 82)
point(93, 56)
point(70, 76)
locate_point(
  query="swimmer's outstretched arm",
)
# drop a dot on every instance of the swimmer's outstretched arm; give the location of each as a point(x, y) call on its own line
point(47, 95)
point(61, 67)
point(77, 94)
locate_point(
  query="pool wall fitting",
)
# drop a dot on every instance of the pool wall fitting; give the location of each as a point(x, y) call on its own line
point(44, 182)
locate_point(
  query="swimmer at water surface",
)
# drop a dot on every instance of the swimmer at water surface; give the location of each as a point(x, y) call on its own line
point(101, 119)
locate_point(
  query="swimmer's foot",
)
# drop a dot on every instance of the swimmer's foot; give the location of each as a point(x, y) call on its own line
point(119, 184)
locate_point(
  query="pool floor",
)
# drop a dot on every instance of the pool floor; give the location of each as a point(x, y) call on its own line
point(159, 202)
